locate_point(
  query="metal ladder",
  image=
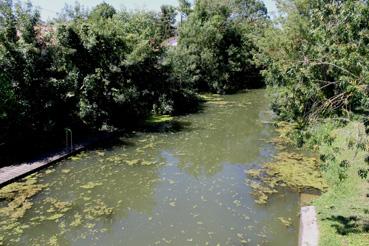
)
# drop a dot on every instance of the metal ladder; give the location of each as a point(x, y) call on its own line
point(69, 139)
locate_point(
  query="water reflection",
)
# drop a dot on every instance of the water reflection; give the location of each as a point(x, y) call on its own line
point(226, 135)
point(167, 186)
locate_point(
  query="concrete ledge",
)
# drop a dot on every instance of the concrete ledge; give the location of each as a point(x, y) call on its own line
point(309, 231)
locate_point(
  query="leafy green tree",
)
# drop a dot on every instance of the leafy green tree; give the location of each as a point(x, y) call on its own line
point(251, 10)
point(167, 20)
point(102, 11)
point(8, 21)
point(184, 9)
point(101, 70)
point(316, 62)
point(29, 104)
point(72, 12)
point(215, 51)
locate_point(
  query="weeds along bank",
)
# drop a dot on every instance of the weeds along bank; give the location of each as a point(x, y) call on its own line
point(343, 210)
point(105, 68)
point(316, 67)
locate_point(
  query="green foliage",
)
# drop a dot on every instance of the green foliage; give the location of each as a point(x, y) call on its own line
point(7, 21)
point(102, 11)
point(24, 67)
point(316, 59)
point(108, 69)
point(121, 77)
point(85, 71)
point(184, 8)
point(343, 152)
point(167, 21)
point(215, 48)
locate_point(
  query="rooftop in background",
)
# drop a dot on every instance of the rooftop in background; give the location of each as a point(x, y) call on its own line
point(172, 41)
point(49, 9)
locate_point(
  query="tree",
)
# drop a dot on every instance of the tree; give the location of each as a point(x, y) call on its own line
point(167, 20)
point(251, 10)
point(102, 11)
point(72, 12)
point(215, 50)
point(184, 9)
point(101, 71)
point(7, 21)
point(316, 62)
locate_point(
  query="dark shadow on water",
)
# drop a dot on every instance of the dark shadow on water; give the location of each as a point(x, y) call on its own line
point(167, 127)
point(112, 142)
point(42, 148)
point(127, 137)
point(39, 147)
point(346, 225)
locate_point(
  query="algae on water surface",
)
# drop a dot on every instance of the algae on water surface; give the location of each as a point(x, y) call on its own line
point(166, 187)
point(15, 202)
point(16, 196)
point(288, 169)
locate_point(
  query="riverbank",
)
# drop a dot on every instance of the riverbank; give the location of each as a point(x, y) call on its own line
point(337, 169)
point(343, 214)
point(343, 210)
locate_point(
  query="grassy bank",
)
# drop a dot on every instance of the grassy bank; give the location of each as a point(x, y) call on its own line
point(336, 169)
point(343, 211)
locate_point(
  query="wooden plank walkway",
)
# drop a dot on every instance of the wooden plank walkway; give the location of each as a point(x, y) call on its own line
point(10, 174)
point(13, 173)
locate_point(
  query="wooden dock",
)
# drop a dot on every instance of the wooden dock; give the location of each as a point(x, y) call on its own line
point(10, 174)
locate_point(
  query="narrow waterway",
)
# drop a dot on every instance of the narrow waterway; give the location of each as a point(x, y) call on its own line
point(180, 186)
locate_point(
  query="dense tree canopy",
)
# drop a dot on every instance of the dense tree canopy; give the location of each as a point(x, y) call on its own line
point(95, 70)
point(316, 59)
point(103, 11)
point(215, 49)
point(105, 68)
point(184, 8)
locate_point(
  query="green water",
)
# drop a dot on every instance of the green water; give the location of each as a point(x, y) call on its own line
point(171, 187)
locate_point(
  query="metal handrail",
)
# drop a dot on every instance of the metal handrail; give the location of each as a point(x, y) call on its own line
point(68, 135)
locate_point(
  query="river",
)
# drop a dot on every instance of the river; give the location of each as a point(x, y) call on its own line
point(182, 185)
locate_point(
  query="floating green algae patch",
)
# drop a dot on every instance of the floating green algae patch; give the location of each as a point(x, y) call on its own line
point(216, 100)
point(285, 221)
point(15, 201)
point(284, 130)
point(123, 159)
point(291, 170)
point(157, 119)
point(79, 156)
point(191, 192)
point(91, 185)
point(210, 97)
point(99, 209)
point(288, 169)
point(296, 171)
point(17, 195)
